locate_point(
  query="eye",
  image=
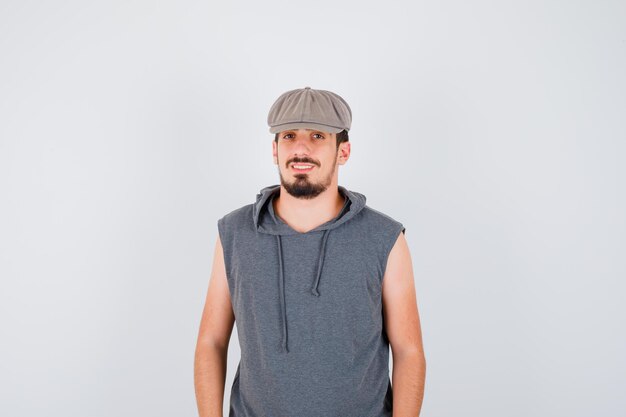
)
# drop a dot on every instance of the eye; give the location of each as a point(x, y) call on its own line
point(320, 135)
point(285, 136)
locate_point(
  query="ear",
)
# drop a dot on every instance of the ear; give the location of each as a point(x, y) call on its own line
point(275, 151)
point(344, 153)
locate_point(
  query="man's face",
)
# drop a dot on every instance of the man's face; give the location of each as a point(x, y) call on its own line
point(307, 161)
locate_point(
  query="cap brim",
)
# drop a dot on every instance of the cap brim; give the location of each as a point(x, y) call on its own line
point(305, 125)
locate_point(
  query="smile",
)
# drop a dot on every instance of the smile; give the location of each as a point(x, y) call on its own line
point(302, 167)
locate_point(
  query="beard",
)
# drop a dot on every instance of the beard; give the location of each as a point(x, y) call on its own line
point(303, 187)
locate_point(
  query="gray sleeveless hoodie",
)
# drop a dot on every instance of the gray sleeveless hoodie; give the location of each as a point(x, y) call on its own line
point(308, 311)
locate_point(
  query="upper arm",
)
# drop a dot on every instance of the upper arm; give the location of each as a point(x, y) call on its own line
point(399, 301)
point(217, 318)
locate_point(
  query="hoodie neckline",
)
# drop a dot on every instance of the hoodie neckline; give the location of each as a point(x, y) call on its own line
point(266, 220)
point(278, 219)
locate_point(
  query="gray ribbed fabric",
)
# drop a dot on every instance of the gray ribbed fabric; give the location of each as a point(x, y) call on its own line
point(308, 311)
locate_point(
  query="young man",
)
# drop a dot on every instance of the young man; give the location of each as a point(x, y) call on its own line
point(318, 283)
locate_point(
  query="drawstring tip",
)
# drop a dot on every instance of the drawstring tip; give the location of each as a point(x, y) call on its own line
point(315, 292)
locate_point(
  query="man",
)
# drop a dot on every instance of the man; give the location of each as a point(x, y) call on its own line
point(318, 283)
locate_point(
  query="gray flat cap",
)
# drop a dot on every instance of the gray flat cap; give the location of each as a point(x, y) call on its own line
point(306, 108)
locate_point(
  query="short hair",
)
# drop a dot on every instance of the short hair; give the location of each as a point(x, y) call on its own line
point(341, 137)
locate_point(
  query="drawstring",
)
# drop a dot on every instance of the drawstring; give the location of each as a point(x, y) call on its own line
point(281, 290)
point(281, 281)
point(320, 264)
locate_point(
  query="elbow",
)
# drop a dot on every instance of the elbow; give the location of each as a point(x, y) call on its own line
point(412, 353)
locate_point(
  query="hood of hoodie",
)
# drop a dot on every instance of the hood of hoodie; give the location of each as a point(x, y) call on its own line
point(266, 221)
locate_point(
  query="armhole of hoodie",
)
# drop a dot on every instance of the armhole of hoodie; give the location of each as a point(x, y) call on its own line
point(221, 230)
point(396, 230)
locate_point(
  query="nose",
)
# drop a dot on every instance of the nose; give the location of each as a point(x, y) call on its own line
point(301, 145)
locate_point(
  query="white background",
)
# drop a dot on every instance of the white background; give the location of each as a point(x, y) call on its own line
point(493, 130)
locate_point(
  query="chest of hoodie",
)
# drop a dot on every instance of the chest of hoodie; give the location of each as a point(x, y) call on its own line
point(344, 320)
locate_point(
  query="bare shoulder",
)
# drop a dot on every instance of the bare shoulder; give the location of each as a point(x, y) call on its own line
point(399, 260)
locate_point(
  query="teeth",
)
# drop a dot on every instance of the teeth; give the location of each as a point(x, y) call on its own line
point(302, 166)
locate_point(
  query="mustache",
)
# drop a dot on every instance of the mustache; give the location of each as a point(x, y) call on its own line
point(302, 161)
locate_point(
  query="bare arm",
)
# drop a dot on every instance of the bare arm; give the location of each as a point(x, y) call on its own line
point(404, 331)
point(213, 337)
